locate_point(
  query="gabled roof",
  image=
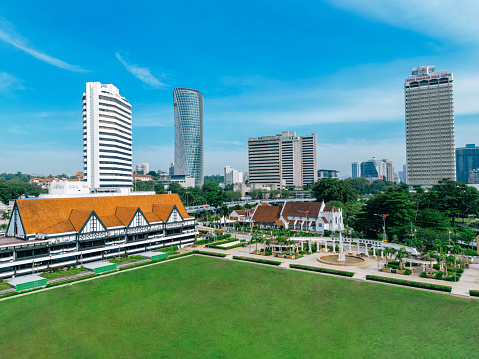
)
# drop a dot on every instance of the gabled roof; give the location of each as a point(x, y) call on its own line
point(266, 214)
point(330, 209)
point(299, 209)
point(125, 214)
point(78, 218)
point(325, 220)
point(50, 214)
point(162, 211)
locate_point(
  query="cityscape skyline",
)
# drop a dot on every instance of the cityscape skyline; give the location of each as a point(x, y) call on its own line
point(245, 96)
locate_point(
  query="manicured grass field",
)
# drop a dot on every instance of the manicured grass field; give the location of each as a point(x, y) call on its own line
point(204, 307)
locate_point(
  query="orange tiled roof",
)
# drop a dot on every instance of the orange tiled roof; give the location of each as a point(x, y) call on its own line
point(125, 214)
point(163, 211)
point(78, 218)
point(266, 214)
point(39, 215)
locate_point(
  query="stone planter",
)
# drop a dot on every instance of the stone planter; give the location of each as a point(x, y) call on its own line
point(263, 253)
point(290, 257)
point(387, 270)
point(256, 252)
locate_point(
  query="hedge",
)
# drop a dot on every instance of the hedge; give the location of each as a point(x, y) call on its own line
point(441, 288)
point(322, 270)
point(474, 293)
point(264, 261)
point(211, 254)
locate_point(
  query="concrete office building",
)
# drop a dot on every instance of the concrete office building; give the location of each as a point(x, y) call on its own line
point(467, 159)
point(188, 105)
point(142, 169)
point(107, 140)
point(232, 176)
point(284, 160)
point(429, 126)
point(356, 169)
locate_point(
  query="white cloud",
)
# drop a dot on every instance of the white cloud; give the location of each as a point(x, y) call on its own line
point(446, 19)
point(8, 35)
point(141, 73)
point(9, 82)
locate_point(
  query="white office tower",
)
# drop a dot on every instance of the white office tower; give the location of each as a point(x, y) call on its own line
point(284, 160)
point(430, 145)
point(356, 169)
point(142, 169)
point(107, 141)
point(232, 176)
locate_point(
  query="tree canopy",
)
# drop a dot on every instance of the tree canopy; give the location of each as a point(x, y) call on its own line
point(333, 189)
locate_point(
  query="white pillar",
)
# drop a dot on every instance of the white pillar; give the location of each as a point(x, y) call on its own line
point(350, 249)
point(326, 246)
point(302, 248)
point(309, 245)
point(334, 247)
point(374, 250)
point(317, 246)
point(382, 254)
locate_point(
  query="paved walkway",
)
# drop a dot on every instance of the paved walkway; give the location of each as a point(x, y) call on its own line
point(469, 279)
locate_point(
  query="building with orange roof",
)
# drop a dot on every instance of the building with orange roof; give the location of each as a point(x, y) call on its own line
point(302, 216)
point(49, 232)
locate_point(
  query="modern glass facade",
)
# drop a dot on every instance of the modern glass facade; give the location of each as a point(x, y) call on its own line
point(467, 159)
point(188, 105)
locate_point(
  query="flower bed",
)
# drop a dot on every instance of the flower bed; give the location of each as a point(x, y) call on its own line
point(322, 270)
point(408, 283)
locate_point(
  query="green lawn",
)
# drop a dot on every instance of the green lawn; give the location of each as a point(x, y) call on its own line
point(203, 307)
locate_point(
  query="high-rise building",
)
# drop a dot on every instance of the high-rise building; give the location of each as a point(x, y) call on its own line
point(390, 175)
point(142, 169)
point(107, 140)
point(285, 160)
point(356, 169)
point(188, 105)
point(429, 126)
point(467, 159)
point(374, 169)
point(232, 176)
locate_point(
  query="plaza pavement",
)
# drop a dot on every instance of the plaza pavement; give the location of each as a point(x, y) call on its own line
point(469, 279)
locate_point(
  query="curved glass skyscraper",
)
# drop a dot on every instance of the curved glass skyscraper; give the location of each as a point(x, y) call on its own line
point(188, 106)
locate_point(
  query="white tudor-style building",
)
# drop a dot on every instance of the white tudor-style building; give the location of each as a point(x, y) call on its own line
point(305, 216)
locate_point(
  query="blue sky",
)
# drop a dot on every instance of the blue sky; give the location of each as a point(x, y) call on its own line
point(336, 68)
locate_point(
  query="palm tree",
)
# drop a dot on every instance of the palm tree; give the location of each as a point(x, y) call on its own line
point(267, 242)
point(281, 240)
point(431, 254)
point(402, 252)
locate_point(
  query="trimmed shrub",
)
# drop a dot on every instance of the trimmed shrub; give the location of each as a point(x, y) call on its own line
point(211, 254)
point(441, 288)
point(264, 261)
point(474, 293)
point(322, 270)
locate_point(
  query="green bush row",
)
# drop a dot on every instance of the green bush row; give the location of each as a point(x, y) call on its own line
point(474, 293)
point(264, 261)
point(322, 270)
point(442, 276)
point(211, 254)
point(449, 269)
point(408, 283)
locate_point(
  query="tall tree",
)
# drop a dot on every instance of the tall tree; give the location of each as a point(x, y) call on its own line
point(333, 189)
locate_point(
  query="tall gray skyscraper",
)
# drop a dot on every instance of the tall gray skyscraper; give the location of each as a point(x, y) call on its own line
point(188, 106)
point(429, 126)
point(107, 140)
